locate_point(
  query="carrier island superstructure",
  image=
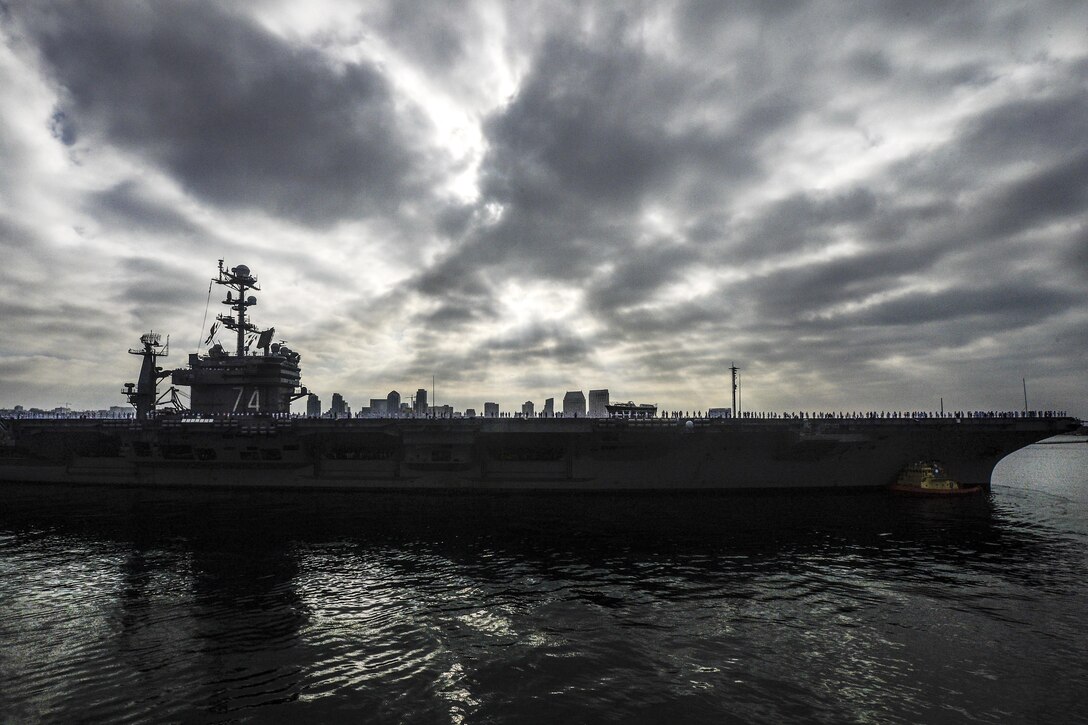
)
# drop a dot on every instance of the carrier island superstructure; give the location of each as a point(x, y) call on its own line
point(238, 431)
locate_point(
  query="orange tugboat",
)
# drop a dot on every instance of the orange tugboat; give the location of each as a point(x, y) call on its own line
point(927, 478)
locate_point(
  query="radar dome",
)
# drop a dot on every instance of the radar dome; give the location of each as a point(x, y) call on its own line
point(241, 270)
point(251, 300)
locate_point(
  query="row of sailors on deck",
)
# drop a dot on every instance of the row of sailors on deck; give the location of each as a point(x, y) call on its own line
point(873, 414)
point(909, 415)
point(747, 415)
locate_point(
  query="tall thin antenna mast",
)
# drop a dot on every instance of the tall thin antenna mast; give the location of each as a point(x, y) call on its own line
point(1025, 381)
point(734, 369)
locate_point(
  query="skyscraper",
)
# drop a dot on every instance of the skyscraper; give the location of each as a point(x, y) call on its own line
point(313, 406)
point(491, 410)
point(598, 403)
point(549, 408)
point(574, 404)
point(421, 402)
point(392, 403)
point(339, 406)
point(527, 409)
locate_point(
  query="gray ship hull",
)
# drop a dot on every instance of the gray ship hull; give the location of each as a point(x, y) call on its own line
point(511, 454)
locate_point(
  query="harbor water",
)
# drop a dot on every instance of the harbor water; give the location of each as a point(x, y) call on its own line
point(141, 605)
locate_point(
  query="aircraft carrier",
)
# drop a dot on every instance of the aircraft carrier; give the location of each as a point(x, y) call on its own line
point(237, 431)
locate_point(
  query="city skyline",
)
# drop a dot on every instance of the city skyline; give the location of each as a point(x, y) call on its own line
point(864, 208)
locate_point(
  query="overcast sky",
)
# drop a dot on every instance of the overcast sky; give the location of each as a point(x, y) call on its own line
point(864, 205)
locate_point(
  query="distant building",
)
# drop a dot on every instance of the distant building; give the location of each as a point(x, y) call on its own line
point(527, 409)
point(442, 411)
point(549, 408)
point(378, 406)
point(491, 410)
point(421, 402)
point(339, 407)
point(574, 404)
point(470, 412)
point(392, 403)
point(313, 406)
point(719, 413)
point(598, 403)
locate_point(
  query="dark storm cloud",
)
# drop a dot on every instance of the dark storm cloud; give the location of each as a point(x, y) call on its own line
point(1077, 254)
point(808, 295)
point(573, 129)
point(153, 290)
point(458, 296)
point(801, 222)
point(237, 115)
point(537, 344)
point(124, 204)
point(127, 208)
point(456, 310)
point(798, 318)
point(632, 277)
point(62, 128)
point(591, 122)
point(535, 340)
point(66, 322)
point(451, 315)
point(146, 273)
point(1006, 305)
point(577, 152)
point(906, 240)
point(16, 236)
point(17, 369)
point(800, 300)
point(792, 293)
point(1020, 203)
point(1026, 128)
point(1044, 130)
point(1056, 193)
point(436, 33)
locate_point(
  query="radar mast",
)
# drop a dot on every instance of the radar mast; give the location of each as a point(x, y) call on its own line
point(238, 279)
point(144, 395)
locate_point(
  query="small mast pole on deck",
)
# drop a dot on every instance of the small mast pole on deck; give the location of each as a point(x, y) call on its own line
point(733, 369)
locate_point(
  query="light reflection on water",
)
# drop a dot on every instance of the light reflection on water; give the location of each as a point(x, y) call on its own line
point(137, 605)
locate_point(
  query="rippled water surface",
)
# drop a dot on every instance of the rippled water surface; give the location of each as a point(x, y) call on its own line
point(143, 605)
